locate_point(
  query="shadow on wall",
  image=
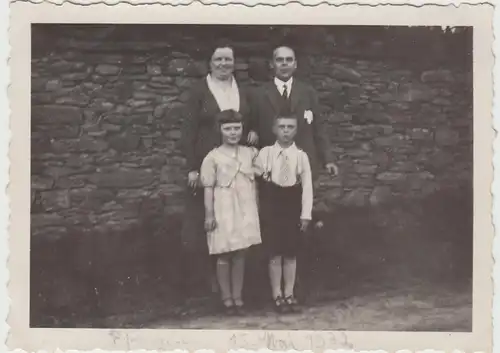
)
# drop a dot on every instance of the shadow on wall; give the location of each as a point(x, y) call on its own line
point(84, 278)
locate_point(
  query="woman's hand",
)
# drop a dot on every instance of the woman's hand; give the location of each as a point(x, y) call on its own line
point(304, 223)
point(252, 138)
point(210, 223)
point(193, 179)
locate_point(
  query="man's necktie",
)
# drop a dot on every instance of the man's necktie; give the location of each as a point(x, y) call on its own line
point(285, 103)
point(285, 93)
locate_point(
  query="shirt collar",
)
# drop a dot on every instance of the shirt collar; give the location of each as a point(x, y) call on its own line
point(279, 83)
point(279, 149)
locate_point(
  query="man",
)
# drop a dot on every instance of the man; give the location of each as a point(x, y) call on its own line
point(287, 95)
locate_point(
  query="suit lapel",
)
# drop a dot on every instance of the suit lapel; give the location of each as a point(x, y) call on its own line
point(274, 96)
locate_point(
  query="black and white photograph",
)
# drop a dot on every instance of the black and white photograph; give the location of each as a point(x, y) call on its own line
point(257, 177)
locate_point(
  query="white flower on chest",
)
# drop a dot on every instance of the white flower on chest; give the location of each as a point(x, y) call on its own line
point(308, 116)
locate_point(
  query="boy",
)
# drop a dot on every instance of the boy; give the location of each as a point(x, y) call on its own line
point(286, 205)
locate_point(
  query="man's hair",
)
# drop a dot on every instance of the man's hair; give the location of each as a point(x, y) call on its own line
point(228, 116)
point(283, 46)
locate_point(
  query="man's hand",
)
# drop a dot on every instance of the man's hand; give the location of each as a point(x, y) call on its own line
point(332, 169)
point(193, 179)
point(304, 223)
point(252, 138)
point(210, 223)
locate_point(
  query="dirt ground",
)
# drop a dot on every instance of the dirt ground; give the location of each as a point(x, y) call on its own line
point(413, 307)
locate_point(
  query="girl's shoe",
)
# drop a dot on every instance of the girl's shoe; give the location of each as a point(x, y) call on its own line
point(228, 307)
point(292, 304)
point(279, 304)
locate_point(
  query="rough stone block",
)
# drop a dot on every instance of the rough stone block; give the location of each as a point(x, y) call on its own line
point(40, 220)
point(55, 200)
point(343, 73)
point(446, 137)
point(365, 169)
point(107, 69)
point(437, 76)
point(84, 144)
point(122, 178)
point(41, 183)
point(56, 114)
point(391, 176)
point(90, 198)
point(357, 197)
point(125, 142)
point(154, 69)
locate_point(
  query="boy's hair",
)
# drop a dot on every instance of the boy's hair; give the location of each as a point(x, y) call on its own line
point(286, 116)
point(228, 116)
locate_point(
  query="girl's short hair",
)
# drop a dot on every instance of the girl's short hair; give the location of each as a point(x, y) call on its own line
point(228, 116)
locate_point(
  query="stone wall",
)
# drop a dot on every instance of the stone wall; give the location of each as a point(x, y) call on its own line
point(106, 115)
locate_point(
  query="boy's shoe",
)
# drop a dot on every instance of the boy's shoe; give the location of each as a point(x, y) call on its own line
point(292, 304)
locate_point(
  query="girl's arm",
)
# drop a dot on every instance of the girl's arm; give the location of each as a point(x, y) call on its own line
point(209, 209)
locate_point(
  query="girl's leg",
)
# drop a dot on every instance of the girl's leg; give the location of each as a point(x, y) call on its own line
point(275, 274)
point(289, 273)
point(224, 278)
point(237, 276)
point(214, 285)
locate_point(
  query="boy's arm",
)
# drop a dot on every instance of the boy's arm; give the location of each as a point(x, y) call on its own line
point(258, 161)
point(307, 188)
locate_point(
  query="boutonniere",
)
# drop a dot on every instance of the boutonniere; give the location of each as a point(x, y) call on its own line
point(308, 116)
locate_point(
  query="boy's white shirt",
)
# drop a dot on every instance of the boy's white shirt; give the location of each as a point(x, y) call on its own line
point(268, 160)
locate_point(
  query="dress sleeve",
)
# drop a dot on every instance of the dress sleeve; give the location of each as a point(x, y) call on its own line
point(307, 188)
point(208, 171)
point(256, 161)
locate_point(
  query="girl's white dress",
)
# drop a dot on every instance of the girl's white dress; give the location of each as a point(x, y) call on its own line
point(235, 199)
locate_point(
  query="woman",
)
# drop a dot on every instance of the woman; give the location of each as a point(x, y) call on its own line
point(217, 92)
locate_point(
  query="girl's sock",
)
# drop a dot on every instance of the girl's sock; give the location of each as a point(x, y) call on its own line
point(223, 277)
point(289, 271)
point(275, 274)
point(237, 276)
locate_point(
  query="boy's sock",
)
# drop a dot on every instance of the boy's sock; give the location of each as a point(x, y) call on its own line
point(237, 274)
point(289, 271)
point(275, 274)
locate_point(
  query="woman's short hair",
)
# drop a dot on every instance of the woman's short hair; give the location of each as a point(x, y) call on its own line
point(219, 44)
point(228, 116)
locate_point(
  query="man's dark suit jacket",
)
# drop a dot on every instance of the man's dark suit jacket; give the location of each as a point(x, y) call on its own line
point(265, 105)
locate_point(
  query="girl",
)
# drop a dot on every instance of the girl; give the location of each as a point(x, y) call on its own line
point(231, 216)
point(287, 199)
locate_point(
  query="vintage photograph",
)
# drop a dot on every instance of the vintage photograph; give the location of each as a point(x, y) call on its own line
point(259, 177)
point(278, 177)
